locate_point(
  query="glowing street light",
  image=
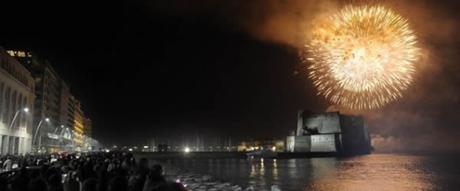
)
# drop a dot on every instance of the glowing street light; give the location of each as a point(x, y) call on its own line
point(187, 150)
point(38, 128)
point(57, 128)
point(25, 110)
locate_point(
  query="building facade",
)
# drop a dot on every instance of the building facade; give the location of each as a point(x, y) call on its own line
point(16, 106)
point(66, 112)
point(88, 124)
point(329, 132)
point(58, 117)
point(48, 86)
point(78, 128)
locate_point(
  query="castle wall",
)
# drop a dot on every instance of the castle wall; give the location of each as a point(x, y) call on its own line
point(329, 132)
point(323, 143)
point(323, 123)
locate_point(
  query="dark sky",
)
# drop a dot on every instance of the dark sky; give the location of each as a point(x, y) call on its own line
point(141, 72)
point(217, 68)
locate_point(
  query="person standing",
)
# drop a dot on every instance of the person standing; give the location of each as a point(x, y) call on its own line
point(8, 164)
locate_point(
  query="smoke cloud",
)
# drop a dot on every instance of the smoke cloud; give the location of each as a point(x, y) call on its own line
point(425, 119)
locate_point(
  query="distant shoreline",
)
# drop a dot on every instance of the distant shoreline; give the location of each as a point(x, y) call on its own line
point(281, 155)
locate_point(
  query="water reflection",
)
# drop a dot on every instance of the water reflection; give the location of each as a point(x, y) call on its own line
point(371, 172)
point(275, 171)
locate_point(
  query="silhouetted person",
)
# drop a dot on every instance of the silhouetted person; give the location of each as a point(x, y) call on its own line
point(137, 179)
point(55, 182)
point(118, 183)
point(20, 180)
point(8, 164)
point(156, 180)
point(3, 183)
point(70, 181)
point(90, 184)
point(37, 184)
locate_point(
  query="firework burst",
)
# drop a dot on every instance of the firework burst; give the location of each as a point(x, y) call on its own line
point(362, 57)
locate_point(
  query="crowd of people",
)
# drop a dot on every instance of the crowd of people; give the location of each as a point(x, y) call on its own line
point(115, 171)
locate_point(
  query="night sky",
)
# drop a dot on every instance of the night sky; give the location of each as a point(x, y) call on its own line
point(227, 68)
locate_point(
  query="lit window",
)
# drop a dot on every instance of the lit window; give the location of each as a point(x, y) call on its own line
point(10, 52)
point(21, 54)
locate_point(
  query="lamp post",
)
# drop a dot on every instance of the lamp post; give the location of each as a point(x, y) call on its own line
point(26, 110)
point(60, 140)
point(57, 128)
point(38, 128)
point(64, 135)
point(69, 133)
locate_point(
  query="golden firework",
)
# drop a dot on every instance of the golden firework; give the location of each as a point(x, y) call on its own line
point(362, 57)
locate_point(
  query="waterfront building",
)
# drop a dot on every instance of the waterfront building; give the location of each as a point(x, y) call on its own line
point(66, 112)
point(88, 127)
point(78, 128)
point(48, 87)
point(58, 118)
point(16, 105)
point(329, 132)
point(64, 132)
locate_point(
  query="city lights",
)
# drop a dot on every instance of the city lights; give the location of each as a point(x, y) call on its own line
point(187, 149)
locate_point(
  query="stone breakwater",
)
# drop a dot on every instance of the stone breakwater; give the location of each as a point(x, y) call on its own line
point(203, 182)
point(198, 182)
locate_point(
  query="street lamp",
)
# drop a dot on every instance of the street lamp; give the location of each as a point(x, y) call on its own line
point(38, 128)
point(56, 130)
point(25, 110)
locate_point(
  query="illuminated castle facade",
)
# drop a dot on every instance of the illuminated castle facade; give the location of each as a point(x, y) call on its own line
point(329, 132)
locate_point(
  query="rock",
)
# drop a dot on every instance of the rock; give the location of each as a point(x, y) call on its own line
point(206, 178)
point(200, 182)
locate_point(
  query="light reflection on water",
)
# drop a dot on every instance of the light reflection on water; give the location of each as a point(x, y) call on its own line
point(370, 172)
